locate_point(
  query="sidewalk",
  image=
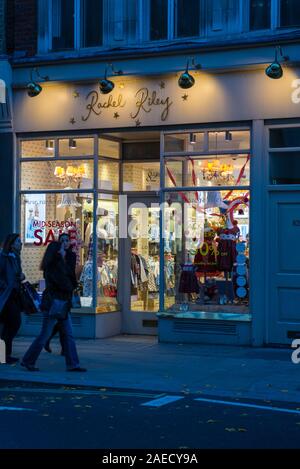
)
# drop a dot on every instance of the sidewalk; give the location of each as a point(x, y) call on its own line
point(140, 362)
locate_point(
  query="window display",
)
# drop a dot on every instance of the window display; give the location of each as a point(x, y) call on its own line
point(220, 170)
point(206, 231)
point(205, 227)
point(36, 148)
point(57, 174)
point(43, 218)
point(207, 260)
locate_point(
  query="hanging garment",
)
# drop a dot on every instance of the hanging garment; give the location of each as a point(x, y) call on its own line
point(188, 281)
point(206, 258)
point(227, 249)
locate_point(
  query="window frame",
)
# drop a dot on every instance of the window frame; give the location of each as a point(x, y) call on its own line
point(275, 19)
point(45, 38)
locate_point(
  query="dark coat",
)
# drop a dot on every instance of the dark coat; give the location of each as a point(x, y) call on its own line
point(60, 282)
point(10, 276)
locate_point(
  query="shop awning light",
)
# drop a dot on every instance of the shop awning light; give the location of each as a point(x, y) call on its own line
point(105, 85)
point(275, 70)
point(72, 143)
point(33, 88)
point(50, 145)
point(186, 80)
point(193, 138)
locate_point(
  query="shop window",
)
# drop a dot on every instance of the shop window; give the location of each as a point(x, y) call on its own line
point(141, 176)
point(158, 18)
point(92, 23)
point(260, 14)
point(223, 16)
point(43, 218)
point(206, 251)
point(107, 254)
point(108, 178)
point(285, 138)
point(63, 24)
point(58, 174)
point(121, 23)
point(220, 170)
point(174, 172)
point(285, 167)
point(37, 148)
point(289, 13)
point(188, 141)
point(76, 146)
point(108, 148)
point(229, 140)
point(187, 18)
point(141, 151)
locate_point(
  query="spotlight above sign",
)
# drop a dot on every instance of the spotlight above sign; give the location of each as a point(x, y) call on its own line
point(105, 85)
point(34, 88)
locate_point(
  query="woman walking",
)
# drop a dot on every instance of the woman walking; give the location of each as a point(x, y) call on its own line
point(11, 276)
point(70, 259)
point(59, 286)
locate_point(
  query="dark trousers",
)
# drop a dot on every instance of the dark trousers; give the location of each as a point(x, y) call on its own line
point(57, 328)
point(11, 321)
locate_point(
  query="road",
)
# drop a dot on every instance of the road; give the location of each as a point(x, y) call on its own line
point(40, 416)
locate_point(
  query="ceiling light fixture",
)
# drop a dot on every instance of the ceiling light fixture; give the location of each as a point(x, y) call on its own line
point(228, 136)
point(72, 143)
point(50, 145)
point(193, 138)
point(105, 85)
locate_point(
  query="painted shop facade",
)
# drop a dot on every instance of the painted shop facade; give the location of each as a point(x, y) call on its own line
point(183, 205)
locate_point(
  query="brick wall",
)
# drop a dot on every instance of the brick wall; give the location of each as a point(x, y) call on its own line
point(21, 27)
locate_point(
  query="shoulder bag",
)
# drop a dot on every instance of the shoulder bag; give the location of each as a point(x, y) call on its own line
point(59, 309)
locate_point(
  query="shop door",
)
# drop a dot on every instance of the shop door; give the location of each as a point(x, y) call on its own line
point(141, 280)
point(283, 318)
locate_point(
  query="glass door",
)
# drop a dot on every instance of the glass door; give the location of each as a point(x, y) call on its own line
point(141, 295)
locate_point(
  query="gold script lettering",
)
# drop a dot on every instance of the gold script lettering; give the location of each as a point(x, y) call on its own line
point(95, 105)
point(145, 102)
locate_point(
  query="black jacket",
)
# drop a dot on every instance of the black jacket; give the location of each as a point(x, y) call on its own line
point(10, 276)
point(60, 281)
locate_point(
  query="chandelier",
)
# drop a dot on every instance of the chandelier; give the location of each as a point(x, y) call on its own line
point(217, 172)
point(72, 174)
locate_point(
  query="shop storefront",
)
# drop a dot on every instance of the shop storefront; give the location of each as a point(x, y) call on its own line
point(173, 200)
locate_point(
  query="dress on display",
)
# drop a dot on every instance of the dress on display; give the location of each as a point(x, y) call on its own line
point(227, 248)
point(188, 282)
point(205, 259)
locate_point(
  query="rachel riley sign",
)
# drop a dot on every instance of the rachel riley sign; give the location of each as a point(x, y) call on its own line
point(159, 101)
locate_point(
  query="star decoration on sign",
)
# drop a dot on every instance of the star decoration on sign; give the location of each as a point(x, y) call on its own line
point(116, 115)
point(72, 120)
point(185, 97)
point(137, 123)
point(76, 94)
point(162, 85)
